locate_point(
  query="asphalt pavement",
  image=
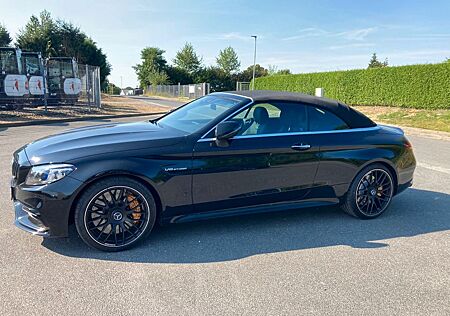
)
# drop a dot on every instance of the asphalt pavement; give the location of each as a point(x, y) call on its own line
point(310, 261)
point(158, 101)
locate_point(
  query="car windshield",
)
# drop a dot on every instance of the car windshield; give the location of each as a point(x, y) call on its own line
point(197, 114)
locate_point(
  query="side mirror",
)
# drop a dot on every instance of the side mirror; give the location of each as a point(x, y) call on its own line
point(225, 131)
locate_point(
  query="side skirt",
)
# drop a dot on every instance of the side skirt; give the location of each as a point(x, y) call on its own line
point(276, 207)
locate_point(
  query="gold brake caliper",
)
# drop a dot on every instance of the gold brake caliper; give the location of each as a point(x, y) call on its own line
point(134, 205)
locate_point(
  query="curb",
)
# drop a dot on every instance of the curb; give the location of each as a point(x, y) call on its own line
point(76, 119)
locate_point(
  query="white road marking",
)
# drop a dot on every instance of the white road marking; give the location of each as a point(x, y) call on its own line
point(434, 168)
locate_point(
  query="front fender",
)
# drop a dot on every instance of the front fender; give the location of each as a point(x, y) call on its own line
point(173, 188)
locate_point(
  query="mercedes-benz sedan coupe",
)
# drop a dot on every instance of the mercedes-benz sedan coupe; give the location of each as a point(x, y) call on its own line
point(220, 155)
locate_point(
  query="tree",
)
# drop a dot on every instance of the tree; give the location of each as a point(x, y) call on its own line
point(284, 72)
point(375, 63)
point(272, 70)
point(178, 75)
point(228, 60)
point(90, 54)
point(61, 38)
point(73, 42)
point(217, 78)
point(5, 38)
point(154, 56)
point(152, 70)
point(187, 59)
point(38, 35)
point(70, 41)
point(247, 74)
point(111, 88)
point(157, 77)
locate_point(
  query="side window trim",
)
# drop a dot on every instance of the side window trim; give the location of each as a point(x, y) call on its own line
point(308, 132)
point(349, 130)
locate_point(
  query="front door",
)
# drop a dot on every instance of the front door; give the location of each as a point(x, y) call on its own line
point(271, 161)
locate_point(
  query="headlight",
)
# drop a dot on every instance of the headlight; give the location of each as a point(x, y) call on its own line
point(45, 174)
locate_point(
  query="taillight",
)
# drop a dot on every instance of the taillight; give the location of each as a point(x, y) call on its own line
point(407, 144)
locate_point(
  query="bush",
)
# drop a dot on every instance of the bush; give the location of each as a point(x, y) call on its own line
point(415, 86)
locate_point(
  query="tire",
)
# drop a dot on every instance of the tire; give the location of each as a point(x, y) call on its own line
point(370, 192)
point(115, 214)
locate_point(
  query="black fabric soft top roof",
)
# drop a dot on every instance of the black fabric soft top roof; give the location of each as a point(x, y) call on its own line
point(353, 118)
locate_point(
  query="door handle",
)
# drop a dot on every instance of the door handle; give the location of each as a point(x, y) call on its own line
point(301, 147)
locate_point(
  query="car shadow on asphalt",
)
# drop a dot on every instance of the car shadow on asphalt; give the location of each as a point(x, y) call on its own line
point(412, 213)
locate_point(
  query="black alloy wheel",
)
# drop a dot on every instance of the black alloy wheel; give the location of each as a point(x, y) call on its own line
point(370, 192)
point(374, 192)
point(115, 213)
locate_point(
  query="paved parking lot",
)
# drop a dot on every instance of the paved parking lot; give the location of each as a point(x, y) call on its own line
point(317, 261)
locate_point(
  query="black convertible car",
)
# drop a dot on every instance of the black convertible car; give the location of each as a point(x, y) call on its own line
point(220, 155)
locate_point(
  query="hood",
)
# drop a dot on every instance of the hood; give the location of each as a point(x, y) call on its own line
point(100, 139)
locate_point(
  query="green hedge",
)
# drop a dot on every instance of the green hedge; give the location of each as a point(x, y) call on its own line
point(415, 86)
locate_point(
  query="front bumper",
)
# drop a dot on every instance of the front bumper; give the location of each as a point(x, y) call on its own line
point(45, 210)
point(28, 220)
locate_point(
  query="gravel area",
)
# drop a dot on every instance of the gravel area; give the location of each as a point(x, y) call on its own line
point(110, 106)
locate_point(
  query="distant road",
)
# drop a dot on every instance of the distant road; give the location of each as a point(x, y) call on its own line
point(158, 101)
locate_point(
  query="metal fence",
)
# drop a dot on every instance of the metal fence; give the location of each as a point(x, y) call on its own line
point(191, 91)
point(90, 85)
point(242, 86)
point(58, 81)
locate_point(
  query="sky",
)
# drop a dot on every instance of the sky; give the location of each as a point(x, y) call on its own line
point(303, 35)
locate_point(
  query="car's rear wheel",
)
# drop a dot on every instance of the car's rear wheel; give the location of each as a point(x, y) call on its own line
point(370, 193)
point(115, 214)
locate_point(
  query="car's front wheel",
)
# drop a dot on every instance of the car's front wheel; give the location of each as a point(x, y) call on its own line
point(370, 193)
point(115, 213)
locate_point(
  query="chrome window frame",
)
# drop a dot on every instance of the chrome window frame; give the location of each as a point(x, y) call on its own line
point(348, 130)
point(229, 93)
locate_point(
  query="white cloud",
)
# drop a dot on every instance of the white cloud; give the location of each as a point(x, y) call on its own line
point(351, 35)
point(422, 56)
point(307, 32)
point(230, 36)
point(353, 45)
point(235, 36)
point(420, 37)
point(357, 35)
point(322, 61)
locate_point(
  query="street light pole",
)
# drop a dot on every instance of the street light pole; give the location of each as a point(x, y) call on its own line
point(254, 64)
